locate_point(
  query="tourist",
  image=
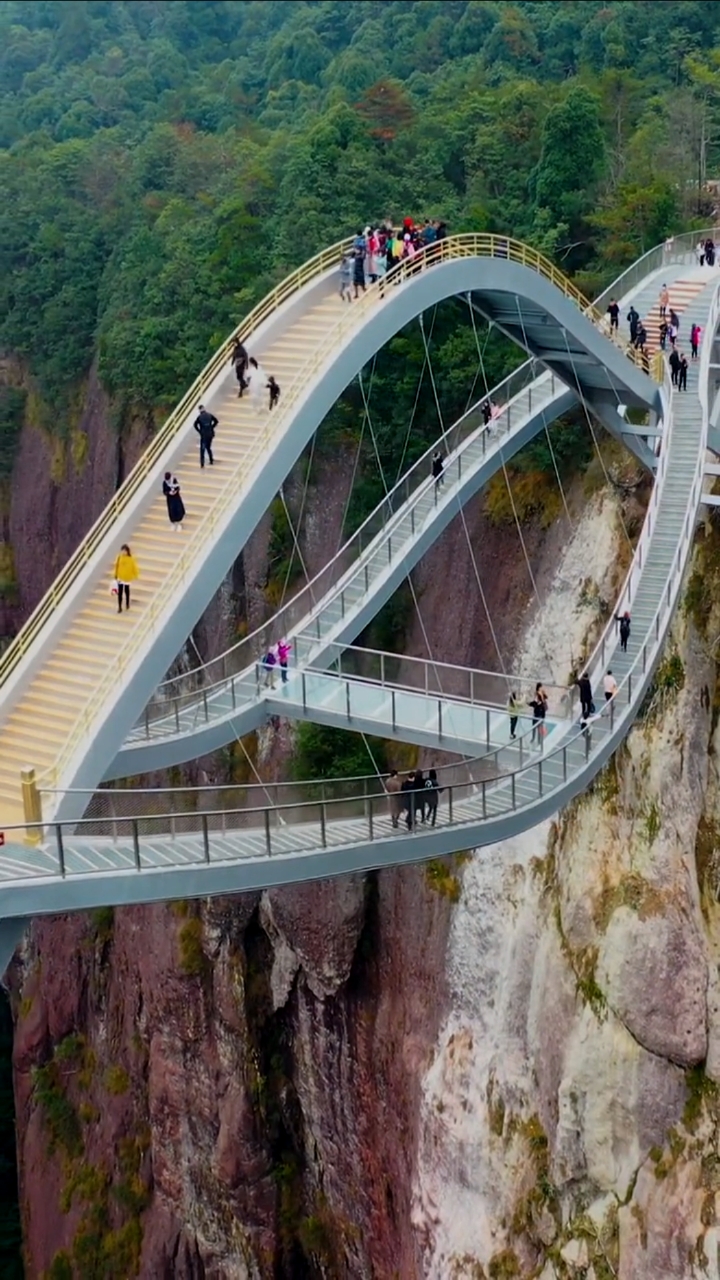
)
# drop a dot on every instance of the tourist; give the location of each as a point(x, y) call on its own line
point(614, 314)
point(432, 794)
point(407, 792)
point(272, 386)
point(175, 504)
point(437, 469)
point(269, 664)
point(514, 706)
point(633, 320)
point(624, 620)
point(419, 795)
point(682, 373)
point(674, 362)
point(539, 706)
point(393, 788)
point(710, 251)
point(126, 571)
point(205, 425)
point(664, 301)
point(283, 653)
point(695, 334)
point(587, 706)
point(239, 359)
point(609, 686)
point(359, 251)
point(346, 275)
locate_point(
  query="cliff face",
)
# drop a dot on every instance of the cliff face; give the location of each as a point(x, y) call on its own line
point(508, 1070)
point(570, 1113)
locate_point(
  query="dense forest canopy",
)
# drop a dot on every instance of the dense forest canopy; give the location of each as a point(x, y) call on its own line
point(163, 161)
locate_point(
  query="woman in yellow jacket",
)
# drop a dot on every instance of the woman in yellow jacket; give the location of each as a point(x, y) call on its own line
point(126, 571)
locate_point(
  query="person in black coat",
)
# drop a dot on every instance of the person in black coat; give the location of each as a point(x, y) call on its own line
point(624, 620)
point(674, 362)
point(175, 504)
point(633, 321)
point(239, 359)
point(437, 468)
point(586, 698)
point(682, 373)
point(205, 425)
point(432, 794)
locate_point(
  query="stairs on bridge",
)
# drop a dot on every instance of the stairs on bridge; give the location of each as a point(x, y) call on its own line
point(682, 292)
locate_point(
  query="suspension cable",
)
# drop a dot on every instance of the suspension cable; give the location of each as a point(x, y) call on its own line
point(547, 431)
point(462, 513)
point(597, 446)
point(358, 454)
point(417, 396)
point(303, 500)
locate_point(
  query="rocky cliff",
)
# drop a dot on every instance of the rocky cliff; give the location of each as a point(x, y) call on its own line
point(504, 1066)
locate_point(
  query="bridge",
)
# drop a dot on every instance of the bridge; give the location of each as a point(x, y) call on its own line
point(81, 697)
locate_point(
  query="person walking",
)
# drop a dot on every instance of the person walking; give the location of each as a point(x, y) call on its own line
point(407, 792)
point(274, 390)
point(393, 787)
point(126, 571)
point(633, 321)
point(587, 706)
point(695, 340)
point(346, 275)
point(614, 314)
point(432, 795)
point(624, 620)
point(675, 321)
point(664, 301)
point(663, 333)
point(539, 709)
point(674, 362)
point(360, 250)
point(419, 795)
point(701, 252)
point(269, 664)
point(609, 686)
point(205, 425)
point(239, 359)
point(175, 504)
point(682, 372)
point(283, 653)
point(514, 707)
point(437, 469)
point(710, 251)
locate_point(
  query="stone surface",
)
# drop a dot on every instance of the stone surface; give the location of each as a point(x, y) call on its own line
point(654, 973)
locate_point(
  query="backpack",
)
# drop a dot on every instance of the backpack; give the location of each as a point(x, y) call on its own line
point(269, 660)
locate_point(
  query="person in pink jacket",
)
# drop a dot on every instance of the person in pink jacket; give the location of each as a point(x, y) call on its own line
point(283, 653)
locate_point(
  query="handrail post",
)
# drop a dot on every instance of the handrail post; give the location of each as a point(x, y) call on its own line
point(612, 714)
point(487, 726)
point(450, 804)
point(347, 699)
point(266, 815)
point(304, 691)
point(394, 720)
point(382, 669)
point(512, 789)
point(32, 806)
point(472, 687)
point(205, 837)
point(147, 722)
point(371, 834)
point(136, 844)
point(564, 754)
point(60, 848)
point(323, 836)
point(540, 780)
point(484, 798)
point(205, 704)
point(440, 731)
point(629, 686)
point(232, 692)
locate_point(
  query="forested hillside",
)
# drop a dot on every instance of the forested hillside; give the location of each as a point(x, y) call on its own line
point(164, 161)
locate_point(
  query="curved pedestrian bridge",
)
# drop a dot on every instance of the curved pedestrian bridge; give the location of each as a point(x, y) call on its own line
point(77, 680)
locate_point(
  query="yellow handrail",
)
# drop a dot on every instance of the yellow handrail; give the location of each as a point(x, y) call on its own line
point(120, 501)
point(462, 246)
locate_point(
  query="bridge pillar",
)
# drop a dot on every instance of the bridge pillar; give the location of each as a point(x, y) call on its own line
point(32, 806)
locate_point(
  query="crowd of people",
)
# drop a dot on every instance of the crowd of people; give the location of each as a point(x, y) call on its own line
point(668, 329)
point(414, 795)
point(377, 249)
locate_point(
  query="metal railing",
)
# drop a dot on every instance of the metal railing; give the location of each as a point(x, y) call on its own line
point(453, 248)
